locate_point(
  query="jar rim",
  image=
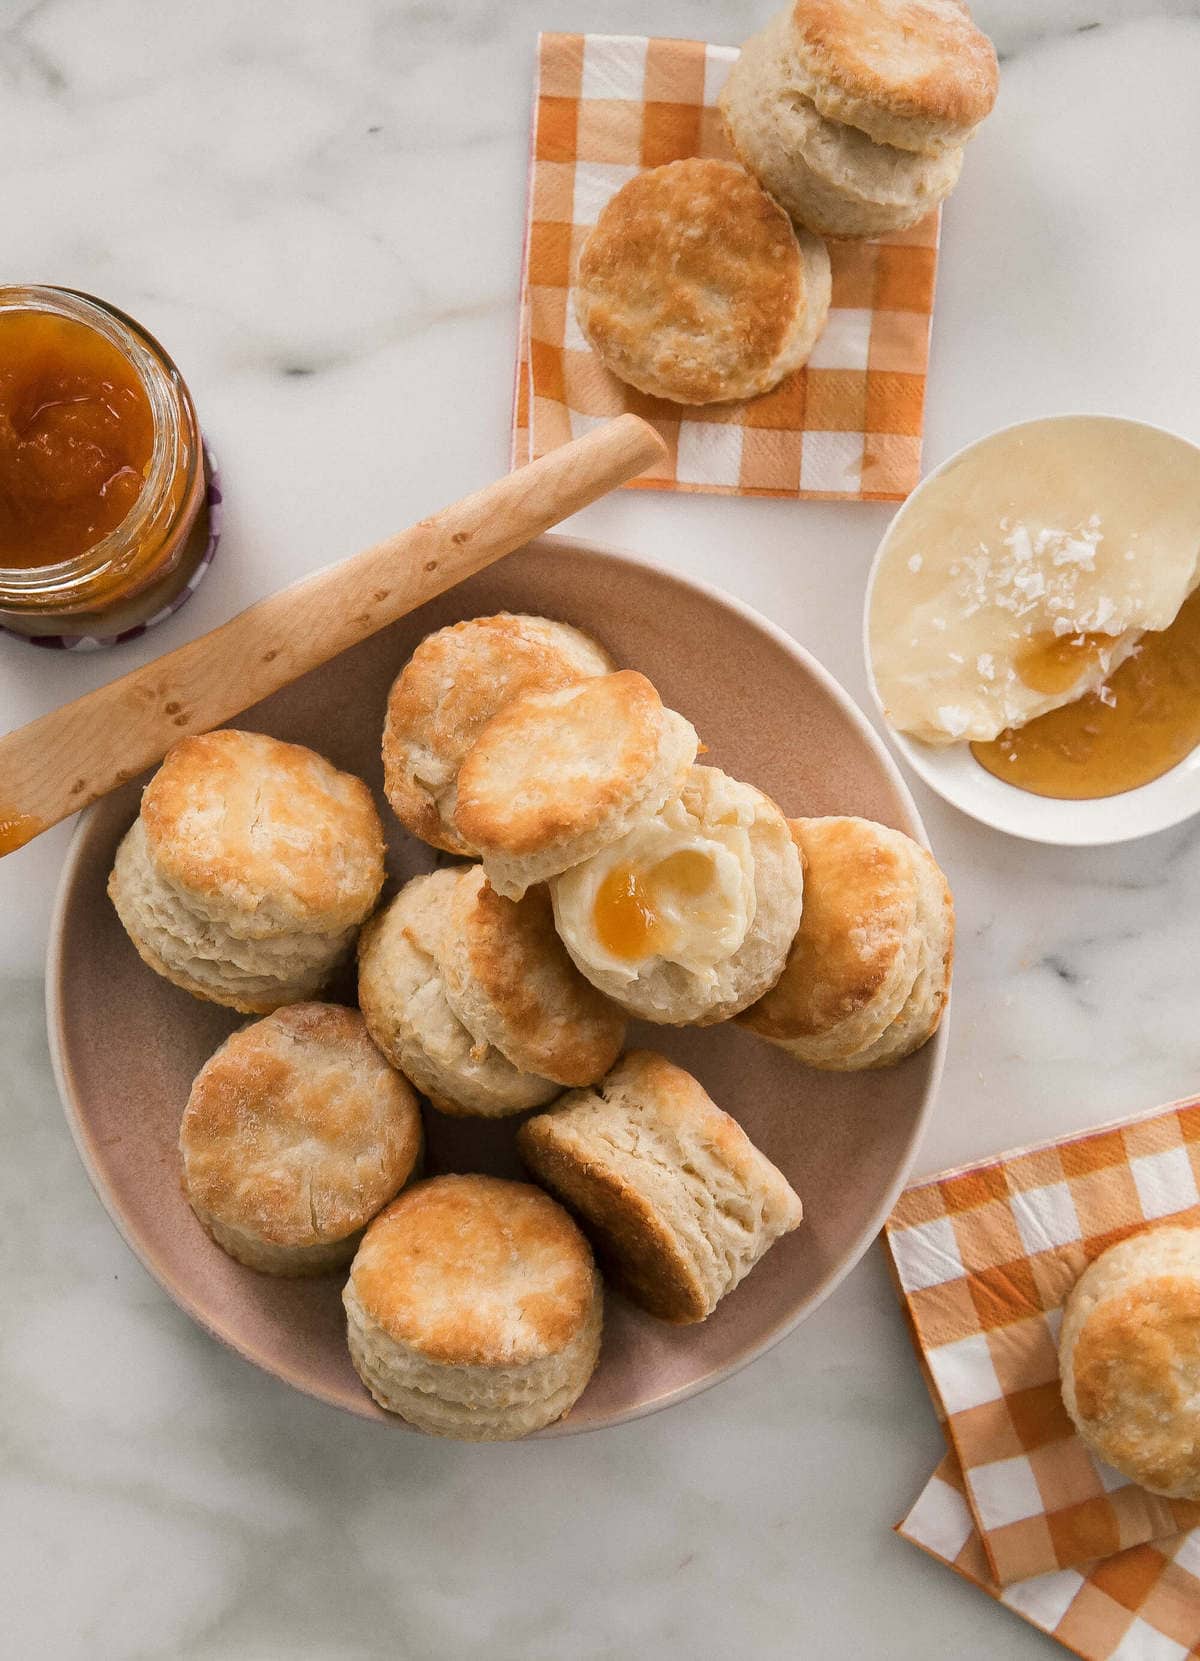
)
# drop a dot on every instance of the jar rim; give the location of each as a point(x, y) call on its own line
point(165, 392)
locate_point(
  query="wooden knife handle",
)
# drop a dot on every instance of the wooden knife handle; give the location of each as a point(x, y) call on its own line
point(66, 759)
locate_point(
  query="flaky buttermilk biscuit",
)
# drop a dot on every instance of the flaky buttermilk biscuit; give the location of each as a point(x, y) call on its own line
point(295, 1134)
point(262, 836)
point(556, 776)
point(868, 974)
point(916, 74)
point(693, 286)
point(1129, 1355)
point(453, 684)
point(474, 1309)
point(680, 1202)
point(475, 999)
point(828, 176)
point(201, 956)
point(509, 979)
point(248, 869)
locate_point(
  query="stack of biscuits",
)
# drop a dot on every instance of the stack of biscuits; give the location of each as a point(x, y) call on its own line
point(705, 281)
point(853, 114)
point(592, 872)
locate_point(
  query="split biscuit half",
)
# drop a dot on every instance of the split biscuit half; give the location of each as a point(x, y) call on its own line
point(689, 917)
point(556, 776)
point(447, 692)
point(915, 74)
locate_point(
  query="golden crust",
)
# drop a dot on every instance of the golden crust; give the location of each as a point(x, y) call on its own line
point(549, 766)
point(1129, 1352)
point(441, 1044)
point(448, 691)
point(858, 920)
point(527, 998)
point(297, 1130)
point(680, 1202)
point(825, 174)
point(266, 835)
point(476, 1271)
point(638, 1250)
point(691, 284)
point(900, 70)
point(1137, 1365)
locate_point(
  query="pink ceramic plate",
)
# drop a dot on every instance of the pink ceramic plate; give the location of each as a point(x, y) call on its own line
point(127, 1045)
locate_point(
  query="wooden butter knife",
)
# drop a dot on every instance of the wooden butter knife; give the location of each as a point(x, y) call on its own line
point(70, 757)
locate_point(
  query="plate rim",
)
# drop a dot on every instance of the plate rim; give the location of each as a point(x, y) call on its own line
point(367, 1411)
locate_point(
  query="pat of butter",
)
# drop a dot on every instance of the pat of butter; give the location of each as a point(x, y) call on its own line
point(1026, 538)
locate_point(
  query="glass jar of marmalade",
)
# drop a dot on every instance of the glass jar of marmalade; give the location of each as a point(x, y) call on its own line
point(103, 491)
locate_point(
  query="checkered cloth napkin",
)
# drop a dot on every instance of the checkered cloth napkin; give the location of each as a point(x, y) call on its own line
point(983, 1258)
point(1141, 1605)
point(847, 427)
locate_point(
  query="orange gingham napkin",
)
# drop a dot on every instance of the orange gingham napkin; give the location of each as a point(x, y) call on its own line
point(1141, 1605)
point(846, 427)
point(983, 1258)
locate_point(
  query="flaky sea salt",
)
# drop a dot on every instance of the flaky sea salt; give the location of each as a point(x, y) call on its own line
point(1033, 569)
point(915, 563)
point(953, 720)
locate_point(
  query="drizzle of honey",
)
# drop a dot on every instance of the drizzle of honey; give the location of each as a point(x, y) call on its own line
point(1140, 725)
point(1053, 663)
point(625, 912)
point(16, 829)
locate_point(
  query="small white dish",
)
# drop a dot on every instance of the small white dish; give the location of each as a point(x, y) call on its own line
point(956, 776)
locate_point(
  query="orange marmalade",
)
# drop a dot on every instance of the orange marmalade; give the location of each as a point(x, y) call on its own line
point(76, 437)
point(102, 483)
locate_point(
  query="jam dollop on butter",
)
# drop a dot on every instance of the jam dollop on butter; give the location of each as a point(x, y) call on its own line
point(669, 890)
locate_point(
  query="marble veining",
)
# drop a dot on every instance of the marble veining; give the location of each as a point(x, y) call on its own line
point(318, 208)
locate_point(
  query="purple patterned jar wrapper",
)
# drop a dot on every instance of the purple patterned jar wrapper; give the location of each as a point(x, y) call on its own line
point(98, 642)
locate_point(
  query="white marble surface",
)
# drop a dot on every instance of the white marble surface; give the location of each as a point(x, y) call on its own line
point(318, 207)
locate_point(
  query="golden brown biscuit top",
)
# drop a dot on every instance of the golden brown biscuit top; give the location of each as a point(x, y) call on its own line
point(474, 1271)
point(859, 911)
point(297, 1128)
point(449, 689)
point(243, 821)
point(695, 250)
point(917, 58)
point(551, 765)
point(1136, 1363)
point(565, 1029)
